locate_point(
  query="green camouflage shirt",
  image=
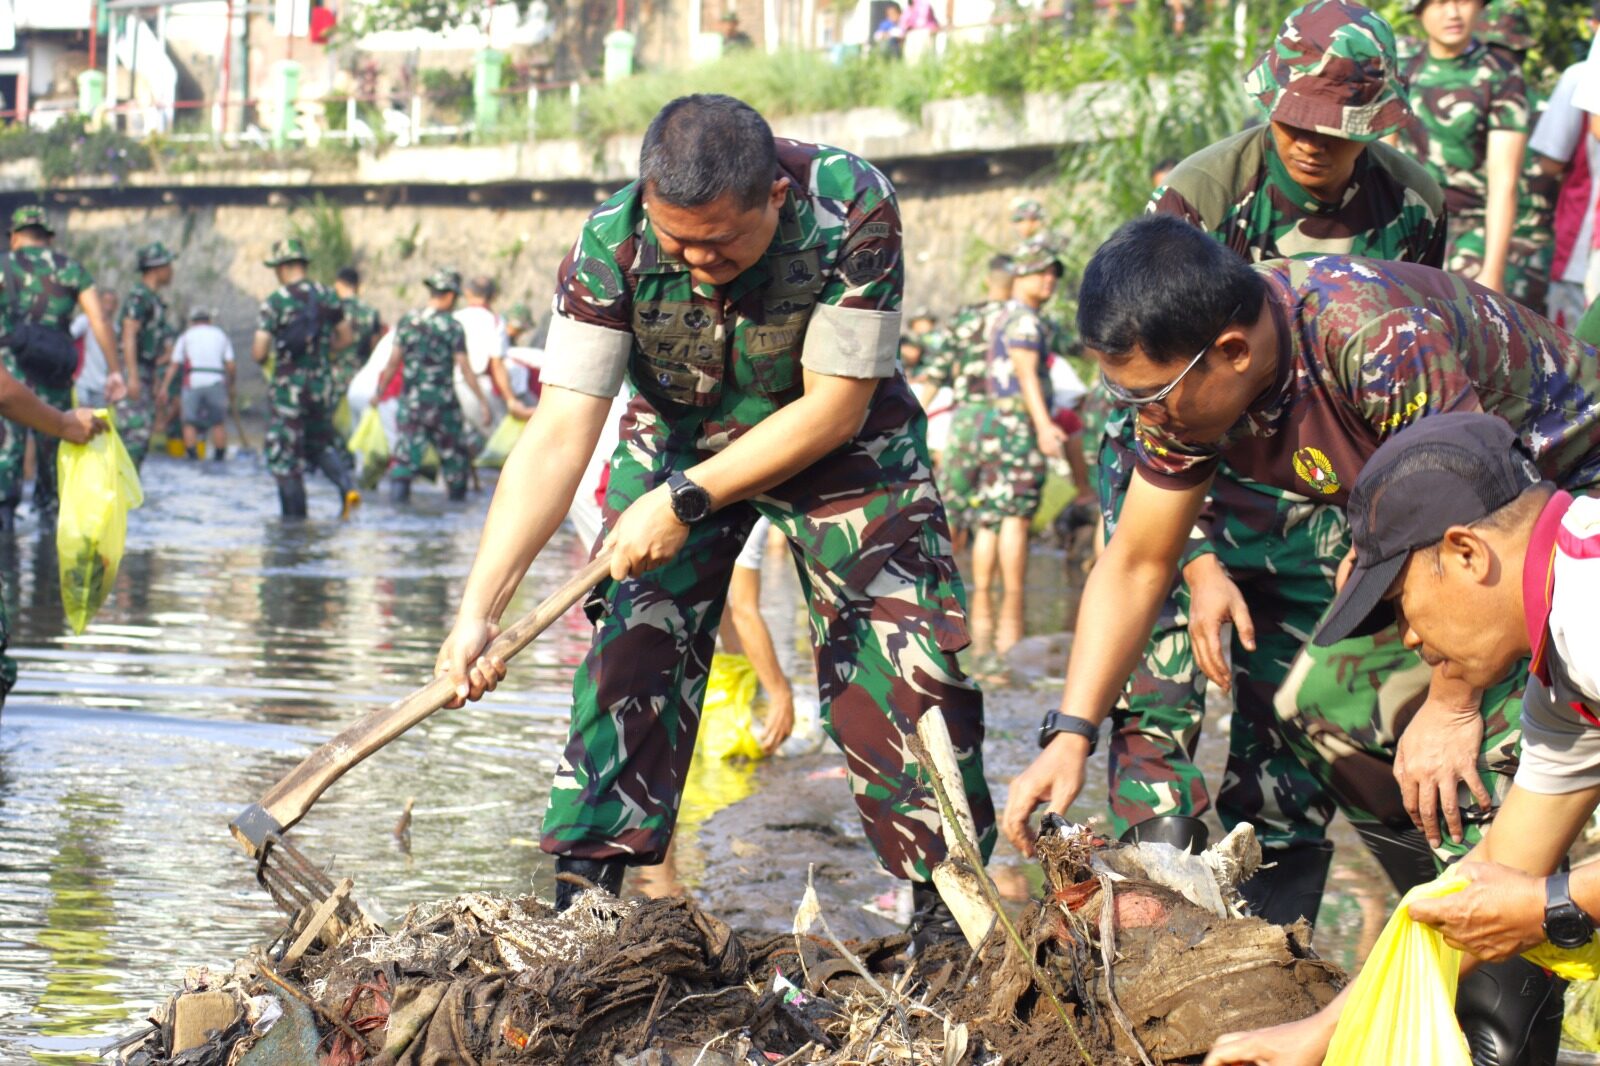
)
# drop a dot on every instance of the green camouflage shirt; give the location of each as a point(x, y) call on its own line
point(42, 285)
point(280, 307)
point(1458, 102)
point(961, 363)
point(710, 362)
point(428, 341)
point(146, 307)
point(365, 325)
point(1239, 191)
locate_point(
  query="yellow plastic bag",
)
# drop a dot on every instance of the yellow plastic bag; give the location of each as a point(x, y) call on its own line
point(1403, 1005)
point(99, 485)
point(370, 447)
point(500, 442)
point(727, 726)
point(1402, 1008)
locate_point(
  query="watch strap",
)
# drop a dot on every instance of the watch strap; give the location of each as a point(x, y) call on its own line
point(1056, 723)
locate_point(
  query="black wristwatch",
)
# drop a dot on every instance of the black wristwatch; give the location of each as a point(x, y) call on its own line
point(690, 502)
point(1055, 722)
point(1565, 923)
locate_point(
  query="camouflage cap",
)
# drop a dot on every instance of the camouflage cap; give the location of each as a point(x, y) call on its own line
point(288, 250)
point(1505, 25)
point(444, 279)
point(1332, 70)
point(154, 254)
point(1035, 256)
point(1024, 207)
point(520, 312)
point(32, 216)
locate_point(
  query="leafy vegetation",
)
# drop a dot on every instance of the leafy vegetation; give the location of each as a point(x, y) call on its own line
point(70, 148)
point(319, 224)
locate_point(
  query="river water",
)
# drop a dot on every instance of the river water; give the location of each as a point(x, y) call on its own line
point(231, 646)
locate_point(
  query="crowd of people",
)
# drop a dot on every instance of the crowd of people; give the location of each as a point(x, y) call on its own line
point(1343, 418)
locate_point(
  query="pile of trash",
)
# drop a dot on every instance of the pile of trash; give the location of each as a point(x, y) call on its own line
point(1137, 954)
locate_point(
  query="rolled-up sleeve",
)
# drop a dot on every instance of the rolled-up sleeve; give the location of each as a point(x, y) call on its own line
point(855, 330)
point(591, 333)
point(584, 357)
point(845, 342)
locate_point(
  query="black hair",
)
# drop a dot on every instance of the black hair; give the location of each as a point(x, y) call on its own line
point(349, 276)
point(1171, 161)
point(482, 286)
point(1162, 285)
point(700, 148)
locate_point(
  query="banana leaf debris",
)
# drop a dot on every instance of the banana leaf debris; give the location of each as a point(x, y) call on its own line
point(1136, 954)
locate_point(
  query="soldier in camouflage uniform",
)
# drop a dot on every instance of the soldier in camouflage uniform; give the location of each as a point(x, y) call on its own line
point(749, 291)
point(42, 289)
point(366, 326)
point(429, 346)
point(299, 323)
point(147, 337)
point(1472, 110)
point(1263, 194)
point(960, 363)
point(1000, 454)
point(1027, 218)
point(1329, 357)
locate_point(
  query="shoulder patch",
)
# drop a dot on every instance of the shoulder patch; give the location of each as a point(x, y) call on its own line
point(602, 277)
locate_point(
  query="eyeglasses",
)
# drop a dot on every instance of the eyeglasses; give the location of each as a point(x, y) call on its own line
point(1127, 398)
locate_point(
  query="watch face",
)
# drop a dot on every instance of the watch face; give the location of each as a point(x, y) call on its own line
point(690, 503)
point(1567, 930)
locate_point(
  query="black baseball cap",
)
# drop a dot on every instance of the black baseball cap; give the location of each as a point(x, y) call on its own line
point(1441, 471)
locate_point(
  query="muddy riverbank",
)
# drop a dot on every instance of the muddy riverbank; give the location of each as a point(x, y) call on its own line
point(232, 645)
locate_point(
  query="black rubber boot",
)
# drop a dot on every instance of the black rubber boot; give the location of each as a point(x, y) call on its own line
point(219, 454)
point(931, 921)
point(602, 873)
point(1403, 854)
point(292, 496)
point(193, 452)
point(400, 490)
point(1179, 830)
point(457, 493)
point(1291, 888)
point(8, 517)
point(1511, 1012)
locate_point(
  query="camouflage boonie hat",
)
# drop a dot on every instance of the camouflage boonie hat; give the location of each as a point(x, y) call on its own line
point(1025, 208)
point(1036, 256)
point(1505, 25)
point(1332, 70)
point(445, 280)
point(289, 250)
point(31, 216)
point(154, 255)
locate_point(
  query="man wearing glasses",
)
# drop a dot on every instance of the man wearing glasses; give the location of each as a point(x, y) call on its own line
point(1311, 180)
point(1293, 372)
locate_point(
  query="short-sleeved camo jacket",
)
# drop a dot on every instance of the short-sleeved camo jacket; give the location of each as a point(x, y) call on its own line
point(146, 307)
point(1366, 348)
point(428, 341)
point(279, 307)
point(711, 362)
point(42, 284)
point(1458, 102)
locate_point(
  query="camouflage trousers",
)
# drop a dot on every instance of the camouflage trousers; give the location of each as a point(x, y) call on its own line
point(13, 450)
point(1312, 729)
point(302, 422)
point(637, 697)
point(136, 418)
point(993, 462)
point(1343, 709)
point(423, 421)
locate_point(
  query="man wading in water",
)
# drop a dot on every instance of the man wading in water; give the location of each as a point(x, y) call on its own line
point(749, 290)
